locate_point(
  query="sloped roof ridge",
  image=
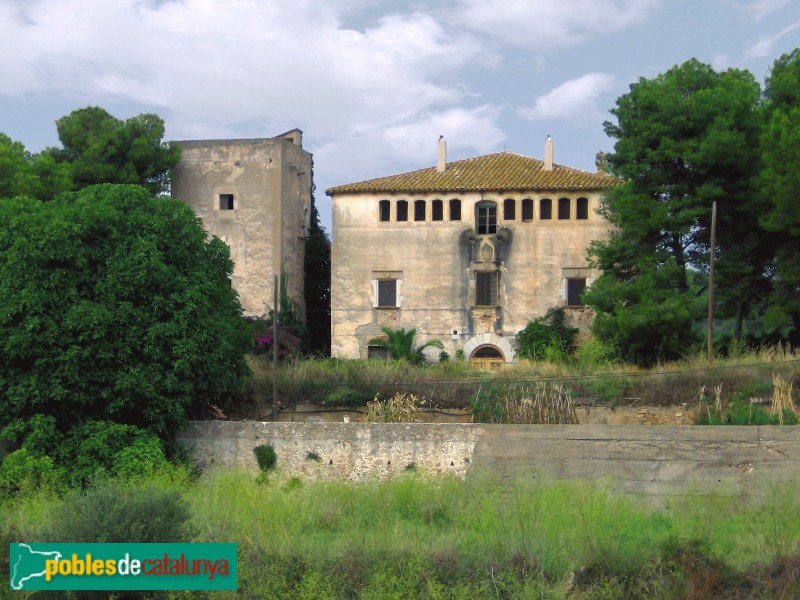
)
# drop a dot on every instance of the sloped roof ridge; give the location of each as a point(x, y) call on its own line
point(503, 170)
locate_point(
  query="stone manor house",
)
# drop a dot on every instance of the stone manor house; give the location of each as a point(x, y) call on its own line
point(466, 252)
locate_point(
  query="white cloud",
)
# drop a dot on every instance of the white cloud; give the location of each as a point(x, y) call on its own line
point(573, 99)
point(758, 9)
point(233, 65)
point(765, 47)
point(544, 25)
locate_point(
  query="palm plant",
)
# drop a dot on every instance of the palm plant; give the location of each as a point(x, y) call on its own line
point(400, 345)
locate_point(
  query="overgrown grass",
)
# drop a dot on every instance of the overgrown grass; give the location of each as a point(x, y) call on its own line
point(591, 378)
point(413, 537)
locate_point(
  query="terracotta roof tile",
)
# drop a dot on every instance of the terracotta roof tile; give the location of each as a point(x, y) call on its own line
point(502, 171)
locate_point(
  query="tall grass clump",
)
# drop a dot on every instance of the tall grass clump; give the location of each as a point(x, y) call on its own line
point(539, 403)
point(400, 408)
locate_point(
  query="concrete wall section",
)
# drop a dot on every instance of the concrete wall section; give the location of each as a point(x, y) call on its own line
point(650, 461)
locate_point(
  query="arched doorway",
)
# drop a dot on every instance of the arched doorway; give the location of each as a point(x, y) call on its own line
point(487, 357)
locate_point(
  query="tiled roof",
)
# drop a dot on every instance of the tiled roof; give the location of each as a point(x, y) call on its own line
point(502, 171)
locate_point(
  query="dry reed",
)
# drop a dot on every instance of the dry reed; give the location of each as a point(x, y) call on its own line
point(781, 397)
point(542, 403)
point(400, 408)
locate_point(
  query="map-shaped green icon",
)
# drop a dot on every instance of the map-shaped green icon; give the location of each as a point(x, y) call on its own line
point(27, 564)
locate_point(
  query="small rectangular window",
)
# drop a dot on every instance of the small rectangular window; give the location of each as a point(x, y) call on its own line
point(527, 209)
point(486, 288)
point(545, 209)
point(387, 293)
point(419, 210)
point(437, 210)
point(575, 287)
point(563, 209)
point(455, 210)
point(402, 210)
point(226, 201)
point(509, 210)
point(582, 208)
point(385, 210)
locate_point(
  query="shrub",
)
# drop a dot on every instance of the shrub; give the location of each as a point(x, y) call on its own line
point(549, 334)
point(121, 450)
point(112, 511)
point(265, 457)
point(116, 307)
point(23, 472)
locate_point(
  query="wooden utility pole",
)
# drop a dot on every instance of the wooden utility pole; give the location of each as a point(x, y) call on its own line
point(275, 351)
point(711, 283)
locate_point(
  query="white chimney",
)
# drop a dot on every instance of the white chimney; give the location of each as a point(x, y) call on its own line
point(442, 156)
point(548, 154)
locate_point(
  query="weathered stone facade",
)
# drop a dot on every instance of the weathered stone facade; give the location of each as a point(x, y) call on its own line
point(467, 252)
point(255, 195)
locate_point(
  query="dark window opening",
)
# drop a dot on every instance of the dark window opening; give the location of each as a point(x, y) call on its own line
point(455, 210)
point(563, 209)
point(387, 293)
point(377, 353)
point(437, 210)
point(486, 217)
point(402, 210)
point(226, 201)
point(527, 209)
point(487, 352)
point(582, 208)
point(545, 209)
point(574, 289)
point(486, 288)
point(509, 210)
point(419, 210)
point(385, 210)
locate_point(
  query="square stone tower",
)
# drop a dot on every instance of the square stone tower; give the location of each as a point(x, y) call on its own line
point(255, 195)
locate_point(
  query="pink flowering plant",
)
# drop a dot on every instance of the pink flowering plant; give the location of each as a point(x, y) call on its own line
point(264, 337)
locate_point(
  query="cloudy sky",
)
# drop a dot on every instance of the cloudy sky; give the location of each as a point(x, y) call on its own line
point(372, 83)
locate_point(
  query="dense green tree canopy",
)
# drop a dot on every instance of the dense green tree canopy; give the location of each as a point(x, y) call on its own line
point(36, 175)
point(114, 306)
point(103, 149)
point(685, 139)
point(779, 182)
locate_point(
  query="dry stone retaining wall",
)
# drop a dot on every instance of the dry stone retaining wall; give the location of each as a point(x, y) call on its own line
point(657, 461)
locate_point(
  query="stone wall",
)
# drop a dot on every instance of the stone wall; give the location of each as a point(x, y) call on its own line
point(655, 461)
point(354, 451)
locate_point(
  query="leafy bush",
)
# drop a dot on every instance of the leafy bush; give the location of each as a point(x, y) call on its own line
point(24, 472)
point(87, 449)
point(265, 457)
point(115, 307)
point(593, 353)
point(548, 337)
point(112, 511)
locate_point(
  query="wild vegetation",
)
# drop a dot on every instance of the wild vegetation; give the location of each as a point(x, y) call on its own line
point(413, 537)
point(587, 377)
